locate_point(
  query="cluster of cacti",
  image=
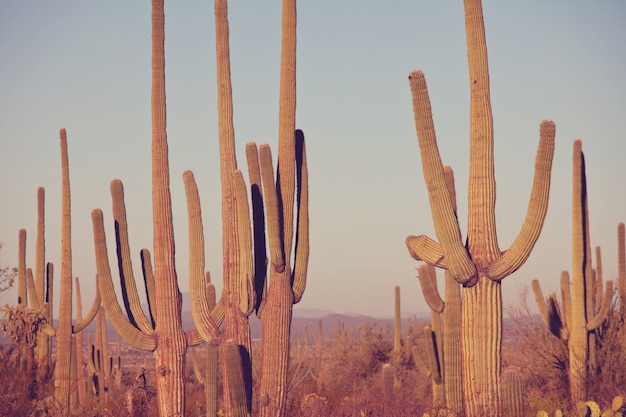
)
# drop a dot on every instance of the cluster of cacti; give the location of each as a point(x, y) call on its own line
point(37, 291)
point(245, 287)
point(446, 342)
point(584, 307)
point(479, 264)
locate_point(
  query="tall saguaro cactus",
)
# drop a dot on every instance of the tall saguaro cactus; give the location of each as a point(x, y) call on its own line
point(166, 339)
point(274, 300)
point(580, 314)
point(480, 265)
point(286, 282)
point(238, 295)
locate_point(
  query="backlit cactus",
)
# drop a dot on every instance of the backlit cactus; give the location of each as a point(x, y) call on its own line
point(479, 264)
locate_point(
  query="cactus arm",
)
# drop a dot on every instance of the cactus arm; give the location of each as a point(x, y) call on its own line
point(258, 223)
point(40, 250)
point(549, 312)
point(595, 322)
point(243, 244)
point(523, 244)
point(127, 279)
point(428, 282)
point(95, 306)
point(194, 338)
point(148, 279)
point(134, 336)
point(555, 317)
point(423, 248)
point(431, 342)
point(29, 283)
point(541, 302)
point(419, 362)
point(302, 231)
point(599, 279)
point(446, 224)
point(271, 208)
point(21, 268)
point(566, 296)
point(200, 310)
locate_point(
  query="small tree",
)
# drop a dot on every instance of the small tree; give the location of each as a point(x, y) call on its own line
point(7, 276)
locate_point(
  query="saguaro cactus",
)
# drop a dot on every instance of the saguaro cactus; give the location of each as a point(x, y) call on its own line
point(512, 392)
point(275, 300)
point(579, 317)
point(450, 310)
point(286, 283)
point(166, 339)
point(479, 265)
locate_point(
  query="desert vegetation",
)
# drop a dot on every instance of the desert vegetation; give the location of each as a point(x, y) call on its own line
point(465, 360)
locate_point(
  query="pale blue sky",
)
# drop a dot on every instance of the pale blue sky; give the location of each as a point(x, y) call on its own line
point(85, 66)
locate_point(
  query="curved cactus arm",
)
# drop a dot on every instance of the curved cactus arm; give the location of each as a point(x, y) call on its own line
point(423, 248)
point(134, 336)
point(428, 282)
point(258, 223)
point(127, 278)
point(442, 208)
point(272, 208)
point(243, 242)
point(95, 307)
point(595, 322)
point(200, 309)
point(148, 279)
point(301, 251)
point(30, 284)
point(523, 244)
point(193, 337)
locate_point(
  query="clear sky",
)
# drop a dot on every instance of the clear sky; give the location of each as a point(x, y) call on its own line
point(85, 66)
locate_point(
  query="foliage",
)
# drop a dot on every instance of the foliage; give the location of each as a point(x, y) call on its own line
point(7, 276)
point(21, 323)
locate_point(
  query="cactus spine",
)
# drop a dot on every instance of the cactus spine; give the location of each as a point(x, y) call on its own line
point(481, 265)
point(579, 317)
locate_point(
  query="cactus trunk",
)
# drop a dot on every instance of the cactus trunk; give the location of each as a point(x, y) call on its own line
point(172, 345)
point(481, 344)
point(62, 378)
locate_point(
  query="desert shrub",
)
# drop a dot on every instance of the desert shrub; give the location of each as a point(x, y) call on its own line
point(609, 380)
point(542, 357)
